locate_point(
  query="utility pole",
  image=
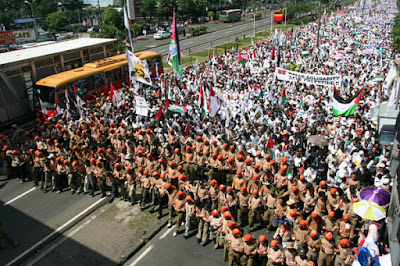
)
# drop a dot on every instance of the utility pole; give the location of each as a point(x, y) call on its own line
point(319, 23)
point(34, 19)
point(272, 17)
point(254, 25)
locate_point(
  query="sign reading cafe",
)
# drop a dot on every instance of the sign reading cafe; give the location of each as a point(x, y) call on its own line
point(309, 79)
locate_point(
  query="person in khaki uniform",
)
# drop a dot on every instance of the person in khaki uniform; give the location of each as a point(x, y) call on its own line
point(271, 201)
point(75, 177)
point(179, 207)
point(190, 214)
point(343, 253)
point(313, 245)
point(120, 177)
point(204, 224)
point(275, 254)
point(131, 185)
point(215, 224)
point(255, 208)
point(235, 243)
point(290, 254)
point(99, 172)
point(327, 250)
point(249, 251)
point(262, 250)
point(172, 193)
point(146, 186)
point(344, 228)
point(243, 198)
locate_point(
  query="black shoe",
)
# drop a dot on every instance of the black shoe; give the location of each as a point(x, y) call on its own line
point(73, 192)
point(79, 192)
point(103, 196)
point(92, 195)
point(111, 200)
point(159, 217)
point(132, 204)
point(126, 200)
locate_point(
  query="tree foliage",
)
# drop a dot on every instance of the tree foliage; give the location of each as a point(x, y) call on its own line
point(396, 32)
point(113, 17)
point(54, 22)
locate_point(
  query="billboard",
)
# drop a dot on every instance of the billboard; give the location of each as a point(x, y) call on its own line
point(17, 36)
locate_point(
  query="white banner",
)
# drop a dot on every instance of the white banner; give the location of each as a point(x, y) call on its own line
point(141, 106)
point(138, 69)
point(310, 79)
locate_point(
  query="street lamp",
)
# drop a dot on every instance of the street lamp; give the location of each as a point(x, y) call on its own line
point(33, 16)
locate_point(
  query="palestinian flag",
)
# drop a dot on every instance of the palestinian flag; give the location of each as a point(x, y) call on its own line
point(209, 57)
point(77, 91)
point(240, 59)
point(155, 93)
point(179, 109)
point(202, 101)
point(174, 51)
point(301, 102)
point(159, 114)
point(342, 107)
point(283, 97)
point(270, 147)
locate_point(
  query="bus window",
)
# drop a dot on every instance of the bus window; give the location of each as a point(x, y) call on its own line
point(99, 80)
point(157, 61)
point(46, 94)
point(113, 75)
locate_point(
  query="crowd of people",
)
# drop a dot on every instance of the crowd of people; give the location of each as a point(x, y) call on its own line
point(222, 173)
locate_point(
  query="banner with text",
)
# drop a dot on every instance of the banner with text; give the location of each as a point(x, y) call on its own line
point(141, 106)
point(309, 79)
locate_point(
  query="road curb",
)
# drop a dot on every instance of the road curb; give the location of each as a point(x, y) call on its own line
point(143, 242)
point(49, 238)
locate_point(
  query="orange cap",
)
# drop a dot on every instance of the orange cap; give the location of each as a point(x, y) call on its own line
point(322, 183)
point(313, 233)
point(255, 178)
point(333, 190)
point(331, 214)
point(215, 213)
point(262, 238)
point(329, 236)
point(303, 223)
point(295, 188)
point(248, 160)
point(219, 157)
point(231, 224)
point(346, 216)
point(229, 189)
point(140, 169)
point(247, 238)
point(274, 243)
point(236, 231)
point(238, 172)
point(314, 214)
point(231, 147)
point(227, 215)
point(177, 150)
point(145, 172)
point(344, 242)
point(240, 157)
point(213, 182)
point(188, 198)
point(224, 209)
point(230, 160)
point(255, 192)
point(310, 263)
point(243, 189)
point(222, 187)
point(267, 156)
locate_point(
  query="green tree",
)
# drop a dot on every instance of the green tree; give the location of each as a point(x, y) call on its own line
point(146, 8)
point(136, 27)
point(72, 4)
point(112, 16)
point(165, 8)
point(54, 22)
point(109, 31)
point(44, 7)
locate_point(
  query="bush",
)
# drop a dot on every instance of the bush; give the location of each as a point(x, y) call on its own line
point(258, 16)
point(195, 31)
point(210, 14)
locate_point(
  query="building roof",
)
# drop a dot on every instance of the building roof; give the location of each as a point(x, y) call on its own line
point(50, 49)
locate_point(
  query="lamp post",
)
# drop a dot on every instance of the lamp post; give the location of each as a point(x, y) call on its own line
point(33, 16)
point(319, 23)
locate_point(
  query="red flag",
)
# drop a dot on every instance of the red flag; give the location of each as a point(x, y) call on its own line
point(326, 73)
point(240, 57)
point(187, 128)
point(159, 114)
point(167, 105)
point(110, 99)
point(75, 89)
point(273, 53)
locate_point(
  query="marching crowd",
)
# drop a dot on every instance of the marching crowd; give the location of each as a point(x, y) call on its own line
point(222, 173)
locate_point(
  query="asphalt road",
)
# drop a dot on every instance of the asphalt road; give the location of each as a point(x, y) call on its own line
point(166, 250)
point(212, 27)
point(29, 215)
point(223, 32)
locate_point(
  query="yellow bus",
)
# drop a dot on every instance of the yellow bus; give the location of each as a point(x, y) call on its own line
point(94, 79)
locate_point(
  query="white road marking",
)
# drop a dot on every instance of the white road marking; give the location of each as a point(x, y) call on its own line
point(229, 31)
point(142, 255)
point(242, 28)
point(53, 233)
point(166, 233)
point(59, 242)
point(20, 196)
point(188, 42)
